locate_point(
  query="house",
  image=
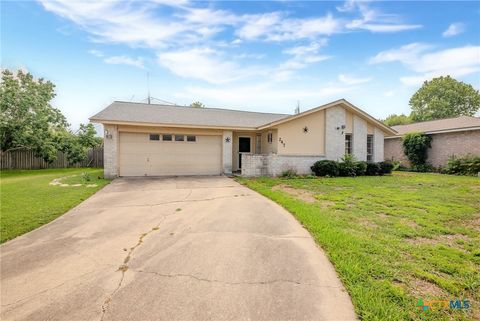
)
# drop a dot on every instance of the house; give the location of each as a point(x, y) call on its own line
point(161, 140)
point(453, 136)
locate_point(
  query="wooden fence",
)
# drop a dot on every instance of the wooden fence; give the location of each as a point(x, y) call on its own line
point(25, 159)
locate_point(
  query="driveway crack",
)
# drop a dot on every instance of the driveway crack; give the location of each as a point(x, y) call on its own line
point(266, 282)
point(124, 267)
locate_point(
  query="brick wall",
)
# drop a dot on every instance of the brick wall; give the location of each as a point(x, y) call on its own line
point(443, 146)
point(275, 165)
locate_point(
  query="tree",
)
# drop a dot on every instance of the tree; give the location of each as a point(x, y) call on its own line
point(395, 119)
point(29, 121)
point(27, 118)
point(444, 97)
point(197, 104)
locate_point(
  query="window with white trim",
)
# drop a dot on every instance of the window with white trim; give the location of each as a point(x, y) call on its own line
point(369, 148)
point(191, 138)
point(179, 138)
point(270, 138)
point(348, 144)
point(154, 137)
point(167, 138)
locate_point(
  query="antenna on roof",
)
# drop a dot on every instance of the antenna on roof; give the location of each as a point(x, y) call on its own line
point(148, 88)
point(297, 109)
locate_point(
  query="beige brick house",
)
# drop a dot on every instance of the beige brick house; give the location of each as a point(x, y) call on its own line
point(453, 136)
point(163, 140)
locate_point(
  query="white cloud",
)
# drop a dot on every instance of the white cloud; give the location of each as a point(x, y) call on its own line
point(374, 20)
point(124, 60)
point(205, 64)
point(389, 93)
point(96, 53)
point(275, 26)
point(454, 29)
point(407, 54)
point(350, 80)
point(265, 95)
point(456, 62)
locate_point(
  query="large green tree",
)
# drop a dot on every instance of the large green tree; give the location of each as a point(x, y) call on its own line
point(444, 97)
point(28, 120)
point(395, 119)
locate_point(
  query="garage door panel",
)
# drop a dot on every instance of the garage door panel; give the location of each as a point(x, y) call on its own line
point(139, 156)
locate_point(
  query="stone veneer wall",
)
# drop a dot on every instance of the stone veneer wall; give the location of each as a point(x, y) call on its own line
point(378, 139)
point(334, 138)
point(359, 138)
point(110, 151)
point(275, 165)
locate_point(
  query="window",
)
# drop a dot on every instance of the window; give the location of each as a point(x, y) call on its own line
point(154, 137)
point(369, 148)
point(258, 144)
point(269, 138)
point(191, 138)
point(167, 138)
point(348, 144)
point(179, 138)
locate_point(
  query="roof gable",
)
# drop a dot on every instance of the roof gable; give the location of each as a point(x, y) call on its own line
point(343, 103)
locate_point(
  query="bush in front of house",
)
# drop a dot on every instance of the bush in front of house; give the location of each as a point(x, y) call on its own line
point(325, 168)
point(349, 167)
point(361, 168)
point(289, 173)
point(386, 167)
point(466, 165)
point(415, 147)
point(372, 169)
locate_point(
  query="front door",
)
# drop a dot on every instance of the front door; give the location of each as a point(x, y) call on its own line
point(243, 147)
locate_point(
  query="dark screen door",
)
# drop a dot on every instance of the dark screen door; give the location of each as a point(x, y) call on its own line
point(243, 147)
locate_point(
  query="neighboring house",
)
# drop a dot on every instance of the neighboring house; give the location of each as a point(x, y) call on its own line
point(162, 140)
point(452, 136)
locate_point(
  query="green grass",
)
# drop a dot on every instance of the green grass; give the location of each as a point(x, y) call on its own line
point(28, 201)
point(393, 239)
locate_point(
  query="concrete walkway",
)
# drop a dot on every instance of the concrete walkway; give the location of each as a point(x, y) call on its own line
point(197, 248)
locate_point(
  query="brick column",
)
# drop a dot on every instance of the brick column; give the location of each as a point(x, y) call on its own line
point(378, 139)
point(227, 151)
point(110, 151)
point(334, 134)
point(359, 138)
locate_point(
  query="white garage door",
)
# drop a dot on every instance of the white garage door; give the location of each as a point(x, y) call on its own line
point(143, 154)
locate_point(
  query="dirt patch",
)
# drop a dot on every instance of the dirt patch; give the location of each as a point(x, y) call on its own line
point(426, 290)
point(367, 223)
point(449, 239)
point(58, 182)
point(300, 194)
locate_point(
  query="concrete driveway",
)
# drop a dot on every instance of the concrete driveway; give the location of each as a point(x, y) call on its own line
point(197, 248)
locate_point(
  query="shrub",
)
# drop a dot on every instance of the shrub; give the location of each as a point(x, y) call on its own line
point(289, 173)
point(415, 147)
point(348, 166)
point(372, 169)
point(325, 168)
point(361, 168)
point(385, 167)
point(466, 165)
point(423, 168)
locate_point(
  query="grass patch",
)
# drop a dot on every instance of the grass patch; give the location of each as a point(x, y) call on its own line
point(393, 239)
point(28, 201)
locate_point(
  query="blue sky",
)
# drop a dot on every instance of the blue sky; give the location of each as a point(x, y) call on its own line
point(251, 55)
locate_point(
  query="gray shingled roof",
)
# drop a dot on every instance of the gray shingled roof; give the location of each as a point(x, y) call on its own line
point(462, 122)
point(180, 115)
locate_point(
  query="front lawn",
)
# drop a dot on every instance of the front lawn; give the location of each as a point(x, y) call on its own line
point(28, 200)
point(394, 240)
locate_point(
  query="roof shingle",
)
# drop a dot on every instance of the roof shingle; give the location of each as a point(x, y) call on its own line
point(461, 122)
point(182, 115)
